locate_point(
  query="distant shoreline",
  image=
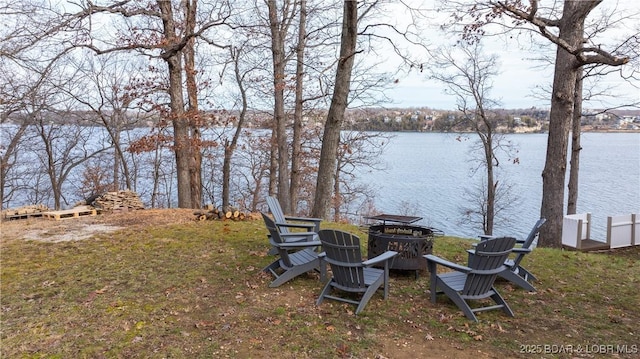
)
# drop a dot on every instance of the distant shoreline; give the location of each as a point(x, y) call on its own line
point(613, 131)
point(514, 133)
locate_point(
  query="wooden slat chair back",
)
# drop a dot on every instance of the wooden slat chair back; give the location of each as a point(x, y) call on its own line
point(294, 258)
point(515, 272)
point(475, 281)
point(350, 273)
point(485, 265)
point(276, 211)
point(344, 255)
point(310, 224)
point(528, 242)
point(276, 239)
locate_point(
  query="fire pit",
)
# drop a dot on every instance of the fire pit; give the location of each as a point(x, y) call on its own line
point(410, 241)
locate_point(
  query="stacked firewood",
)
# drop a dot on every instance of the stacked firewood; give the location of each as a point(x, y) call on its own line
point(114, 201)
point(211, 213)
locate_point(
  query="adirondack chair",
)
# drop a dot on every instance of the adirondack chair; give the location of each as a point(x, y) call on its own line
point(310, 224)
point(514, 272)
point(350, 273)
point(284, 223)
point(475, 281)
point(295, 258)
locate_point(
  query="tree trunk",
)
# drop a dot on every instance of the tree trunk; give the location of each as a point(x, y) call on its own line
point(273, 162)
point(230, 147)
point(180, 132)
point(195, 140)
point(296, 146)
point(115, 186)
point(337, 195)
point(335, 116)
point(182, 145)
point(114, 126)
point(278, 33)
point(574, 168)
point(6, 157)
point(156, 177)
point(491, 186)
point(560, 117)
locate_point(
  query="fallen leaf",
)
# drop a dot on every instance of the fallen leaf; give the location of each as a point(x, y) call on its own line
point(103, 290)
point(330, 328)
point(204, 324)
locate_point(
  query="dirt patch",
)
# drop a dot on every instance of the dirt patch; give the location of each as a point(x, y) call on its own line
point(85, 227)
point(67, 233)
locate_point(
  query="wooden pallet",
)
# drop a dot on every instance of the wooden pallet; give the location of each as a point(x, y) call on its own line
point(70, 213)
point(11, 217)
point(24, 212)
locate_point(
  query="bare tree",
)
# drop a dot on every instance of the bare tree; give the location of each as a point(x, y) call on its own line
point(65, 148)
point(298, 108)
point(280, 19)
point(13, 132)
point(240, 75)
point(253, 169)
point(167, 32)
point(105, 80)
point(23, 74)
point(574, 161)
point(357, 150)
point(594, 72)
point(12, 139)
point(335, 117)
point(467, 75)
point(565, 29)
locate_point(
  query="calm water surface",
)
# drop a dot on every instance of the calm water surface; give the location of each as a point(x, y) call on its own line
point(427, 175)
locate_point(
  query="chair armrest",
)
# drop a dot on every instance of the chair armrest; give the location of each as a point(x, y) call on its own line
point(446, 263)
point(307, 226)
point(484, 237)
point(301, 244)
point(298, 234)
point(303, 219)
point(380, 258)
point(521, 250)
point(315, 221)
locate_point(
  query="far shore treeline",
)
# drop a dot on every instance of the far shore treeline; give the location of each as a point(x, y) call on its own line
point(422, 119)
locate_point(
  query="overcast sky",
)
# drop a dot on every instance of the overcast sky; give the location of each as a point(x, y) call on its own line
point(519, 75)
point(514, 87)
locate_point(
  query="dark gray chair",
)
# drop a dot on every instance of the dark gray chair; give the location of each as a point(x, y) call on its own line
point(295, 258)
point(350, 273)
point(302, 229)
point(515, 272)
point(310, 224)
point(475, 281)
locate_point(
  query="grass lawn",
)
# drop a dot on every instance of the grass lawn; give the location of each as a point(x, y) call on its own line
point(159, 289)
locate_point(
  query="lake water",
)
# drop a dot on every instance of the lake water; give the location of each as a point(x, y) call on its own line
point(427, 175)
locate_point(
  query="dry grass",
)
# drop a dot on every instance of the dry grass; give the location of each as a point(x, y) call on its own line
point(163, 285)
